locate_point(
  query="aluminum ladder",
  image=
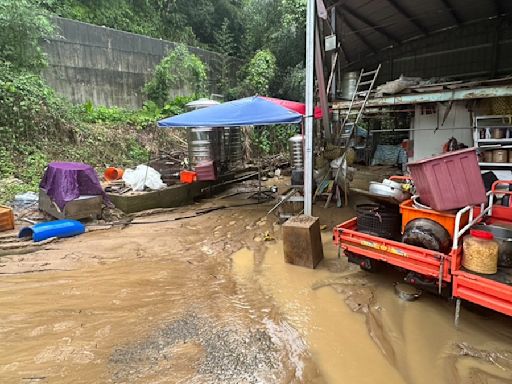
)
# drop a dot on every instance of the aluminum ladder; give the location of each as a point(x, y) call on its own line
point(364, 86)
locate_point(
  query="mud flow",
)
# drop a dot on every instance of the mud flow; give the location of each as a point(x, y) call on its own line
point(208, 299)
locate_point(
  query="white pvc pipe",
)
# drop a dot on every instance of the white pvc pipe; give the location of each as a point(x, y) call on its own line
point(472, 221)
point(308, 119)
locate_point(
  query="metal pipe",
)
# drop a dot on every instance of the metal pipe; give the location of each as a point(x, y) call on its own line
point(417, 129)
point(457, 234)
point(308, 119)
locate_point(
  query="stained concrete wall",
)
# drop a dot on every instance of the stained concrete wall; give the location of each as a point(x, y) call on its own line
point(110, 67)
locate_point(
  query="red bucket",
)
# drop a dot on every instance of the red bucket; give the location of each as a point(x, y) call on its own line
point(112, 174)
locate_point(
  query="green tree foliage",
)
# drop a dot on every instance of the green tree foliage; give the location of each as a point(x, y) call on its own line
point(28, 107)
point(294, 82)
point(23, 24)
point(261, 70)
point(177, 69)
point(224, 41)
point(182, 21)
point(278, 26)
point(224, 44)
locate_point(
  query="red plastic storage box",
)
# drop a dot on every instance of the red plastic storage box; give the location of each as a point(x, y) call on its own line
point(449, 181)
point(206, 171)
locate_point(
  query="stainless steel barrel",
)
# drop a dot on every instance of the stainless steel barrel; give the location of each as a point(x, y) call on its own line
point(348, 84)
point(204, 144)
point(296, 146)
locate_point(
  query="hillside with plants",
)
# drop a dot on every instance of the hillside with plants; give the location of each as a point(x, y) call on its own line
point(238, 28)
point(38, 126)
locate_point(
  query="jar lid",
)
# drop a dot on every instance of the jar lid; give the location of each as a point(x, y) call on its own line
point(481, 234)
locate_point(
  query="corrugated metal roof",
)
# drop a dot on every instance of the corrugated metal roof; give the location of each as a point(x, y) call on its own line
point(368, 26)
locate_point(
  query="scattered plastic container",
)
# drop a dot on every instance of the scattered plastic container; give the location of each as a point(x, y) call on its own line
point(449, 181)
point(57, 228)
point(113, 173)
point(6, 218)
point(187, 177)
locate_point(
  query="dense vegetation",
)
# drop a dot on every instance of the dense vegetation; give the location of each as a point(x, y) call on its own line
point(38, 126)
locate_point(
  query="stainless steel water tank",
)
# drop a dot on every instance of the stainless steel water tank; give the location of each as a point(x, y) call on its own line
point(204, 144)
point(348, 84)
point(235, 145)
point(232, 146)
point(201, 103)
point(296, 146)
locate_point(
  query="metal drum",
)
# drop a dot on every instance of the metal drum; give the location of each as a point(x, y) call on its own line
point(348, 85)
point(204, 144)
point(296, 145)
point(234, 145)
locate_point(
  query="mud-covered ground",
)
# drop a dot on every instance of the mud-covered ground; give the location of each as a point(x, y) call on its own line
point(208, 299)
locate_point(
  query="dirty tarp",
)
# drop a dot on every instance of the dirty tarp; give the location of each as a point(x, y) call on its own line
point(389, 155)
point(64, 182)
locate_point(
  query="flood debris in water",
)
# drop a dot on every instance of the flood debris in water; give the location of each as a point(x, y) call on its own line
point(501, 359)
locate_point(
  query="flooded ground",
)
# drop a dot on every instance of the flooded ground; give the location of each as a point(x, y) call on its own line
point(207, 300)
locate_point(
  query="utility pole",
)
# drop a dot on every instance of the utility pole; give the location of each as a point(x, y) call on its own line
point(308, 120)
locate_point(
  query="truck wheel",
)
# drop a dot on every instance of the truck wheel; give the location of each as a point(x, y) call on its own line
point(365, 263)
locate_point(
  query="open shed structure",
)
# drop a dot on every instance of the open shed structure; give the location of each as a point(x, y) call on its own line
point(425, 38)
point(462, 51)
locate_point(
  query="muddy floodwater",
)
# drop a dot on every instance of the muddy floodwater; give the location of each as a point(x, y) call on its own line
point(208, 299)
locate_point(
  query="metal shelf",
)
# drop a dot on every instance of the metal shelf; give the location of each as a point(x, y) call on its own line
point(494, 141)
point(496, 165)
point(488, 117)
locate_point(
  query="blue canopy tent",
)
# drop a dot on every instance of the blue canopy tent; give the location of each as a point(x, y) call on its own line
point(253, 110)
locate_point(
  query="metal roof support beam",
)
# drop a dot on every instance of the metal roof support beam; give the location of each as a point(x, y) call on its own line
point(498, 8)
point(452, 11)
point(364, 20)
point(359, 35)
point(406, 14)
point(445, 95)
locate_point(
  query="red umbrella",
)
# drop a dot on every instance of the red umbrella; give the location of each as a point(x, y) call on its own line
point(294, 106)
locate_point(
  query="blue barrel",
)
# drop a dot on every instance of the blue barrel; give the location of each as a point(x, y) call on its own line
point(57, 228)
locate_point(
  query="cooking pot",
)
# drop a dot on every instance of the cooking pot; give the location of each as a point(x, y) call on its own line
point(391, 183)
point(380, 189)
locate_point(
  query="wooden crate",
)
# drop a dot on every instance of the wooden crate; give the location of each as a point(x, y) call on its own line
point(302, 242)
point(6, 218)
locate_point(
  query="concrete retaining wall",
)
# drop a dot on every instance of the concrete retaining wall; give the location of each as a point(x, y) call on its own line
point(109, 67)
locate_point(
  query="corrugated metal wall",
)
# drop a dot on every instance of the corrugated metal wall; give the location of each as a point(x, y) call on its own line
point(479, 50)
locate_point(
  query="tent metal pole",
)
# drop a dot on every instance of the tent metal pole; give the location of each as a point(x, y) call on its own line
point(308, 120)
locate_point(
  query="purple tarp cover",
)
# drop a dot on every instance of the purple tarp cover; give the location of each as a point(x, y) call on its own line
point(65, 182)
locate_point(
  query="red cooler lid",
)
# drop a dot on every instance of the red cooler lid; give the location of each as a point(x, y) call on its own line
point(481, 234)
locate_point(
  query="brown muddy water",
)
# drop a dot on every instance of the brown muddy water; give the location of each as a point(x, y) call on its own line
point(206, 300)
